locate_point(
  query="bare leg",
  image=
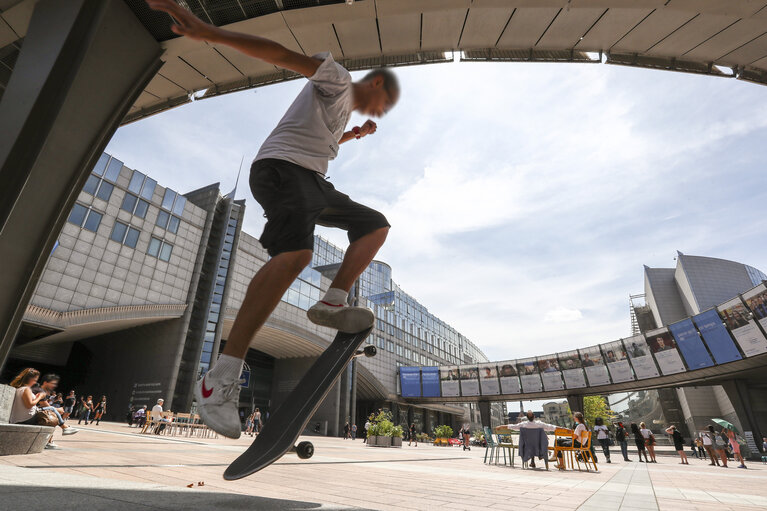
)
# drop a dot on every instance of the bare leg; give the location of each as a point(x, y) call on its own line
point(357, 258)
point(264, 293)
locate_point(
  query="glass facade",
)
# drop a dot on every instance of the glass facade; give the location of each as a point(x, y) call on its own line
point(755, 275)
point(85, 217)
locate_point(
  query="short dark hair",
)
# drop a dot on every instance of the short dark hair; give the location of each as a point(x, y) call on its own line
point(50, 377)
point(598, 421)
point(390, 81)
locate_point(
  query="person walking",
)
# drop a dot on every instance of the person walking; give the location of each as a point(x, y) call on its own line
point(720, 444)
point(249, 424)
point(287, 178)
point(411, 435)
point(346, 430)
point(100, 410)
point(649, 441)
point(621, 436)
point(694, 447)
point(735, 446)
point(87, 410)
point(367, 427)
point(354, 432)
point(466, 435)
point(639, 440)
point(678, 440)
point(257, 421)
point(707, 438)
point(603, 436)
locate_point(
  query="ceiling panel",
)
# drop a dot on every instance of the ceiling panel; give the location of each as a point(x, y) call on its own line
point(484, 26)
point(250, 66)
point(736, 8)
point(272, 26)
point(748, 53)
point(146, 99)
point(733, 37)
point(442, 29)
point(177, 71)
point(619, 4)
point(19, 15)
point(394, 7)
point(163, 88)
point(569, 27)
point(317, 39)
point(526, 27)
point(655, 27)
point(611, 27)
point(761, 64)
point(358, 38)
point(210, 63)
point(7, 36)
point(400, 33)
point(691, 35)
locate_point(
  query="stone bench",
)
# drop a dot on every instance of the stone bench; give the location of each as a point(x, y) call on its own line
point(19, 438)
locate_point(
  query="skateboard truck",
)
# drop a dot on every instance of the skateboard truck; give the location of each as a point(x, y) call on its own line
point(369, 351)
point(304, 450)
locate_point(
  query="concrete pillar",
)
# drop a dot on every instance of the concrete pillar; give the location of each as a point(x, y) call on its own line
point(740, 397)
point(353, 394)
point(82, 65)
point(484, 414)
point(575, 403)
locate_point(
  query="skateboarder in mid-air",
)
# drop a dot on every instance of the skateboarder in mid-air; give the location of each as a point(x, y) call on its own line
point(287, 179)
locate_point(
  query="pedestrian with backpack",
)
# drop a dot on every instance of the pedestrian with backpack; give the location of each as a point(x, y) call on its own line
point(621, 436)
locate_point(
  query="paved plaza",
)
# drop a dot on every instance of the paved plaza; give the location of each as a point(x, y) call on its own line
point(113, 467)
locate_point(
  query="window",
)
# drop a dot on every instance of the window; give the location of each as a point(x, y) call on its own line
point(105, 191)
point(113, 170)
point(93, 221)
point(77, 216)
point(91, 185)
point(86, 217)
point(160, 249)
point(162, 219)
point(142, 185)
point(134, 205)
point(178, 207)
point(125, 234)
point(141, 208)
point(168, 198)
point(101, 164)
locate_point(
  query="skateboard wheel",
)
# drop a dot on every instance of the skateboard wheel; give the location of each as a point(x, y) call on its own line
point(370, 351)
point(305, 450)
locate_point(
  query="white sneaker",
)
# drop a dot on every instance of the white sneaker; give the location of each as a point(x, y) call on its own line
point(52, 446)
point(217, 402)
point(341, 317)
point(69, 431)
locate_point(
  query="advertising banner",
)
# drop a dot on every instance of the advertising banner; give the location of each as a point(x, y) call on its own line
point(488, 380)
point(570, 364)
point(507, 374)
point(690, 344)
point(756, 300)
point(528, 375)
point(469, 381)
point(550, 373)
point(448, 379)
point(617, 362)
point(662, 345)
point(410, 381)
point(745, 330)
point(640, 356)
point(594, 365)
point(430, 382)
point(716, 336)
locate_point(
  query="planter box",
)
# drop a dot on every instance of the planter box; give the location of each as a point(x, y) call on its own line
point(396, 441)
point(383, 441)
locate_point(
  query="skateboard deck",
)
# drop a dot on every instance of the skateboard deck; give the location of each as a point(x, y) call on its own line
point(279, 434)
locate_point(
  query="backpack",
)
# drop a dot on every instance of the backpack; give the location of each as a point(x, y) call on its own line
point(620, 434)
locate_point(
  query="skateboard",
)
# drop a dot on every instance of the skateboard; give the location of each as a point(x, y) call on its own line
point(279, 434)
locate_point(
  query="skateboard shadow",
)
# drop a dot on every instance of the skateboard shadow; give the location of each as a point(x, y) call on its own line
point(36, 496)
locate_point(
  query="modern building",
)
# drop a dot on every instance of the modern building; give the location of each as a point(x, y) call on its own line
point(557, 412)
point(671, 294)
point(140, 293)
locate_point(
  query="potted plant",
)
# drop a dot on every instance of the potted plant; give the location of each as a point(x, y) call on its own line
point(396, 436)
point(373, 435)
point(442, 433)
point(385, 428)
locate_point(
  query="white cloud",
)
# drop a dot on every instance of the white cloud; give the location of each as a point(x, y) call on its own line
point(562, 315)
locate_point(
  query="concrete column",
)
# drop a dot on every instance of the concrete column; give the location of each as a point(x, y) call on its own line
point(353, 394)
point(740, 397)
point(575, 403)
point(82, 65)
point(484, 414)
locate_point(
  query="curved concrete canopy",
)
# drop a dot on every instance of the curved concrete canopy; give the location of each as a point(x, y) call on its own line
point(683, 35)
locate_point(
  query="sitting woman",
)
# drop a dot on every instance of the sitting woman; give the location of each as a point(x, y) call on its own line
point(580, 437)
point(24, 408)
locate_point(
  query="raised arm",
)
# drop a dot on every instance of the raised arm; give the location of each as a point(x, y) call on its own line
point(189, 25)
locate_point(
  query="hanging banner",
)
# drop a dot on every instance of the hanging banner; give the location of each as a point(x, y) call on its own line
point(528, 375)
point(550, 373)
point(640, 356)
point(469, 381)
point(745, 330)
point(449, 381)
point(690, 344)
point(662, 345)
point(570, 364)
point(410, 381)
point(756, 300)
point(717, 337)
point(617, 362)
point(594, 365)
point(507, 374)
point(430, 382)
point(488, 380)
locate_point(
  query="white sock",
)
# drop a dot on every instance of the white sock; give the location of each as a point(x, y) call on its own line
point(227, 367)
point(336, 296)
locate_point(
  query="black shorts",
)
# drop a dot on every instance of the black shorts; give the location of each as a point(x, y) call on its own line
point(296, 199)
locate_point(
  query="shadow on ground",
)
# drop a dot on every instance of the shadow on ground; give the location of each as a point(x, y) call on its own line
point(77, 498)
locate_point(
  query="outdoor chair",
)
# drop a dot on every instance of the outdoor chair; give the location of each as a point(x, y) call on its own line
point(533, 441)
point(505, 443)
point(491, 445)
point(576, 455)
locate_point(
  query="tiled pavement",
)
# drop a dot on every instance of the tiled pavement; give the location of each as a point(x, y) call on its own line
point(114, 468)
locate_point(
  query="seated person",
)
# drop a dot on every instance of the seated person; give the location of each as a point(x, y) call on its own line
point(25, 402)
point(158, 417)
point(532, 423)
point(48, 384)
point(139, 417)
point(580, 436)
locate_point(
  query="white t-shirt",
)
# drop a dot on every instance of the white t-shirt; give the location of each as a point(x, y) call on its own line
point(581, 432)
point(308, 133)
point(706, 439)
point(601, 432)
point(157, 412)
point(525, 424)
point(645, 432)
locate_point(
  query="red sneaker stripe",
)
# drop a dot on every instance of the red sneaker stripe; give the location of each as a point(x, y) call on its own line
point(205, 392)
point(331, 304)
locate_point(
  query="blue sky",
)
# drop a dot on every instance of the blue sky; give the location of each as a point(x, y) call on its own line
point(524, 198)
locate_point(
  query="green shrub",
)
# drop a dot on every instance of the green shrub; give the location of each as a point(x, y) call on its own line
point(385, 427)
point(443, 431)
point(423, 437)
point(396, 432)
point(479, 435)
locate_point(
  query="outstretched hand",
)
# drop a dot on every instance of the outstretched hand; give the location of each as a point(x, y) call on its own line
point(368, 128)
point(186, 23)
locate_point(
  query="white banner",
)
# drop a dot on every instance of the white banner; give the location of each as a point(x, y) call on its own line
point(531, 383)
point(510, 385)
point(617, 362)
point(593, 364)
point(746, 332)
point(488, 380)
point(640, 356)
point(449, 384)
point(552, 380)
point(663, 346)
point(574, 378)
point(469, 381)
